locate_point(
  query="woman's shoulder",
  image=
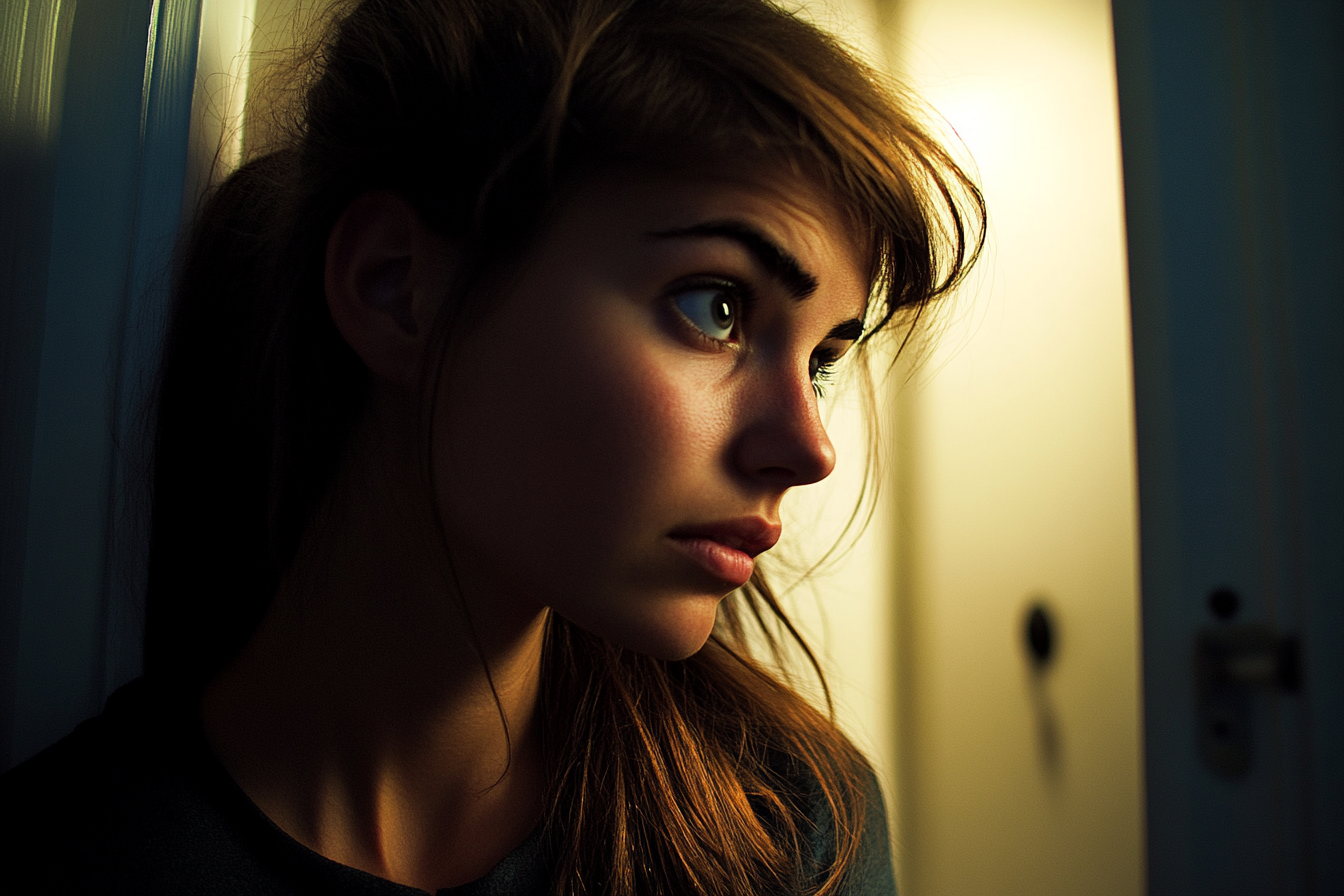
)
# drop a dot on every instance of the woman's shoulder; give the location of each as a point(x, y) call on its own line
point(86, 773)
point(870, 872)
point(116, 793)
point(135, 801)
point(130, 801)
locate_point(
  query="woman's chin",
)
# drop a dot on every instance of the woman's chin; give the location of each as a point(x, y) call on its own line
point(669, 632)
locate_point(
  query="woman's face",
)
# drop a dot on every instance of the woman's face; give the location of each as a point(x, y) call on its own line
point(613, 440)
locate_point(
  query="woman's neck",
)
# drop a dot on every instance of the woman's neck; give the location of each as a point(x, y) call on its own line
point(361, 717)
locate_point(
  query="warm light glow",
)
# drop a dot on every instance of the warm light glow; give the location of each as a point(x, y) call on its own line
point(1023, 476)
point(1016, 481)
point(222, 68)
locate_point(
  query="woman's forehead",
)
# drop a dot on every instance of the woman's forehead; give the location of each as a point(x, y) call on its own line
point(789, 210)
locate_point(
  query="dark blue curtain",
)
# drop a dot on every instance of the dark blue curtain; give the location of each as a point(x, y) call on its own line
point(92, 209)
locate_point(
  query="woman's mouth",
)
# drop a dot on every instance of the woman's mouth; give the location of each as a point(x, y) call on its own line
point(726, 550)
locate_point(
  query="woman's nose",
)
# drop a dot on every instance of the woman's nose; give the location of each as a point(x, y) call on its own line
point(783, 441)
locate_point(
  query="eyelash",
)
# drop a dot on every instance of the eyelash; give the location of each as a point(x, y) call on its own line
point(742, 299)
point(824, 372)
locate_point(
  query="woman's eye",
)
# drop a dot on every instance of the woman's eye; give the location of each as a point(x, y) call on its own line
point(820, 368)
point(712, 310)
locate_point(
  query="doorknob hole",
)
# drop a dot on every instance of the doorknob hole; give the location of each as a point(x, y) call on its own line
point(1040, 635)
point(1224, 603)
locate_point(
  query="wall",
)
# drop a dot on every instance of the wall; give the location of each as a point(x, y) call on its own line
point(1015, 484)
point(1010, 480)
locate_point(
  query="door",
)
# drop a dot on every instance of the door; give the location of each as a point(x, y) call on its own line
point(1233, 122)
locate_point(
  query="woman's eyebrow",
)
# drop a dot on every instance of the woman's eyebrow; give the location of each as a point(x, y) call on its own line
point(769, 254)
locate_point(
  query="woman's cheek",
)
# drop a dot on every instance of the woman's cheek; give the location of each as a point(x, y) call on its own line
point(666, 413)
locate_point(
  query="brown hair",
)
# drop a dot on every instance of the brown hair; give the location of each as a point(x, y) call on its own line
point(703, 775)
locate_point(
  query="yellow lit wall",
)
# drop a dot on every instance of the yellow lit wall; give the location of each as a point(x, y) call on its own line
point(1020, 480)
point(1013, 480)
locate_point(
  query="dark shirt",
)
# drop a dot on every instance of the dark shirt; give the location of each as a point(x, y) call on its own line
point(135, 801)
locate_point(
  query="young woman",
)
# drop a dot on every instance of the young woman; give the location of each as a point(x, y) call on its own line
point(480, 398)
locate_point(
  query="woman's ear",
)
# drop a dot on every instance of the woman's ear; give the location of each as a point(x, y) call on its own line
point(385, 277)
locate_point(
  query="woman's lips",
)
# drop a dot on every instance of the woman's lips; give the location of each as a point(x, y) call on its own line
point(729, 565)
point(725, 550)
